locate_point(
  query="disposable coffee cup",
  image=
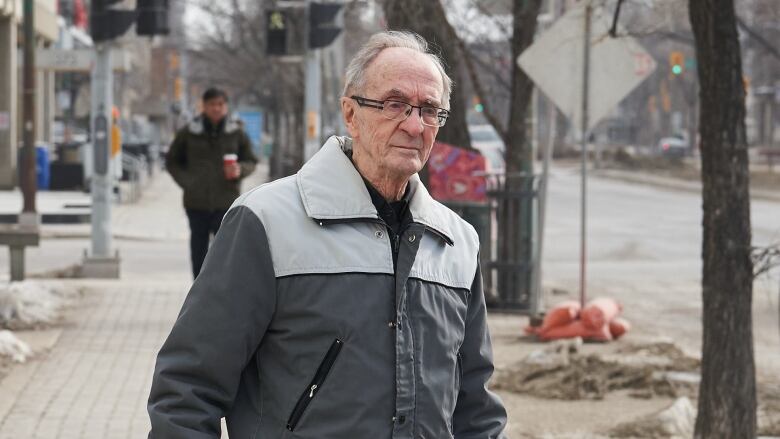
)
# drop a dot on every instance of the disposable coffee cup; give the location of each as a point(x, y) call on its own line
point(228, 160)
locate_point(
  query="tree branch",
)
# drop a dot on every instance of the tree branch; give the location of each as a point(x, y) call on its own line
point(759, 39)
point(613, 30)
point(467, 57)
point(765, 259)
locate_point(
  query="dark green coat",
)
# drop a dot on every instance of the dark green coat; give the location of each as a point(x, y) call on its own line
point(194, 160)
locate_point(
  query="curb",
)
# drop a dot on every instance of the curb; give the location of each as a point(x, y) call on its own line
point(674, 183)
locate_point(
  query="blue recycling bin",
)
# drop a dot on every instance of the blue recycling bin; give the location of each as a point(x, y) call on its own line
point(42, 168)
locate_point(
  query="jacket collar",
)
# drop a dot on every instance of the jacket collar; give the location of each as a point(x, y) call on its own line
point(196, 124)
point(331, 188)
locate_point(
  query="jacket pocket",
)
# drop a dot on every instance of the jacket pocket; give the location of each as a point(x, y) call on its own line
point(315, 385)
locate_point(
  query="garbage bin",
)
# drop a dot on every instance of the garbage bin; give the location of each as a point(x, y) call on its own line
point(42, 168)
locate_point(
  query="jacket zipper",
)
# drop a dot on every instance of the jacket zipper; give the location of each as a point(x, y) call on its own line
point(315, 385)
point(458, 373)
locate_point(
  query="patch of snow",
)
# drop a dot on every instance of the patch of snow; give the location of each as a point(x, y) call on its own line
point(30, 304)
point(12, 347)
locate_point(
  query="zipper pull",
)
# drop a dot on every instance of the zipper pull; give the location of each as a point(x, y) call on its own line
point(313, 388)
point(397, 243)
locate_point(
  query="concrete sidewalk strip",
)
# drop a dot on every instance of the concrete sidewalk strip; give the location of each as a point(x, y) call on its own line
point(94, 383)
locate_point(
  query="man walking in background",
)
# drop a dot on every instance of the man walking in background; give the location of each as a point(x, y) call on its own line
point(208, 158)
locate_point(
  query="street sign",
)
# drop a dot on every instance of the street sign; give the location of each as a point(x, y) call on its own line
point(554, 62)
point(78, 60)
point(253, 127)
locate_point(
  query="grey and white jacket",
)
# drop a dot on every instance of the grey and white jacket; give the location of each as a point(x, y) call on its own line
point(298, 326)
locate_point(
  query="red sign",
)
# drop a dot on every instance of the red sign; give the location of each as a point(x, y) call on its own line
point(456, 174)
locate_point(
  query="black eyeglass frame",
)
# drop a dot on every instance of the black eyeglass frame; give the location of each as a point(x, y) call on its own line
point(373, 103)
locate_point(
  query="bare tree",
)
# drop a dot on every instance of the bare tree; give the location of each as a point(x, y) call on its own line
point(428, 19)
point(231, 52)
point(727, 394)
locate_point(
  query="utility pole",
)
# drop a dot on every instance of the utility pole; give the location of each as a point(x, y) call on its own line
point(99, 262)
point(107, 24)
point(27, 174)
point(584, 164)
point(322, 30)
point(312, 104)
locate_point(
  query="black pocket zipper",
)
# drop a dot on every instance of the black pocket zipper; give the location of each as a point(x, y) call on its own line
point(458, 374)
point(315, 385)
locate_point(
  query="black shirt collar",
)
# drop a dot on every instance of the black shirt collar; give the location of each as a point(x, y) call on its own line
point(394, 213)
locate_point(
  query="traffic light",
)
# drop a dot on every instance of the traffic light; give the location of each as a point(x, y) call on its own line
point(322, 27)
point(107, 23)
point(676, 62)
point(276, 33)
point(478, 107)
point(152, 17)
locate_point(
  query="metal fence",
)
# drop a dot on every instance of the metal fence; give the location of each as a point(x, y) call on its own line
point(508, 228)
point(512, 267)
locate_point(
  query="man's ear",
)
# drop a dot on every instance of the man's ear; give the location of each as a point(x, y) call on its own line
point(349, 113)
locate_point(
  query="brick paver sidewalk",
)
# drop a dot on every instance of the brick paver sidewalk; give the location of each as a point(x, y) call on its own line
point(95, 381)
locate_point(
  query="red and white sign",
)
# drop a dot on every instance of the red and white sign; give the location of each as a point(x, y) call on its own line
point(456, 174)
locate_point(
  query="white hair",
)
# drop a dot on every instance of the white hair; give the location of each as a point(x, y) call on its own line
point(356, 70)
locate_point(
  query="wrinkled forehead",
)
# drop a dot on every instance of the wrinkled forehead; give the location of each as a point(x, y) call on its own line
point(406, 75)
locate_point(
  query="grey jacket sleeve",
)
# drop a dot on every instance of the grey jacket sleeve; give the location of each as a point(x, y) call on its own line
point(479, 413)
point(219, 328)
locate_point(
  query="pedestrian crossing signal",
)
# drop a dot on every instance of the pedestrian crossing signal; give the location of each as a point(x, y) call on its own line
point(276, 33)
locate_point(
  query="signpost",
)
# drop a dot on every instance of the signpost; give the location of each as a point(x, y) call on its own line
point(608, 70)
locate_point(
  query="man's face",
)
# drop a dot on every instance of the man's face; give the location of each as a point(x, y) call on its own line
point(215, 109)
point(393, 148)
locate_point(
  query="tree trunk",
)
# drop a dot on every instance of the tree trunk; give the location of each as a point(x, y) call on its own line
point(727, 394)
point(427, 18)
point(515, 215)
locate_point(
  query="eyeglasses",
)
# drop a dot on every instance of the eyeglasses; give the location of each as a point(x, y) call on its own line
point(397, 110)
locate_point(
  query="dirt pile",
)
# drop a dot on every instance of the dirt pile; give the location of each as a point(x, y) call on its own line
point(769, 410)
point(560, 371)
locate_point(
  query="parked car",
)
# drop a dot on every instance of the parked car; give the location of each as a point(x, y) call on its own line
point(486, 140)
point(69, 134)
point(675, 146)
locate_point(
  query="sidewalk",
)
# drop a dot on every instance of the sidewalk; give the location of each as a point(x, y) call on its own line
point(95, 380)
point(91, 375)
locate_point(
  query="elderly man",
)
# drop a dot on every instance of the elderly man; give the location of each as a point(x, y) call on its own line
point(342, 302)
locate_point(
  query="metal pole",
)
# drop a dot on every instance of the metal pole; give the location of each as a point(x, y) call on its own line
point(28, 181)
point(102, 176)
point(312, 104)
point(584, 143)
point(548, 153)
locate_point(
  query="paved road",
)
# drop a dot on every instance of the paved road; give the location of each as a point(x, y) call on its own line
point(644, 248)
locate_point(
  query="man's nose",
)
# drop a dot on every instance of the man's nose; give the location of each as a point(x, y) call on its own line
point(413, 123)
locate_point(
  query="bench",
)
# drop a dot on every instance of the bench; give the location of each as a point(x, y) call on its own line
point(17, 237)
